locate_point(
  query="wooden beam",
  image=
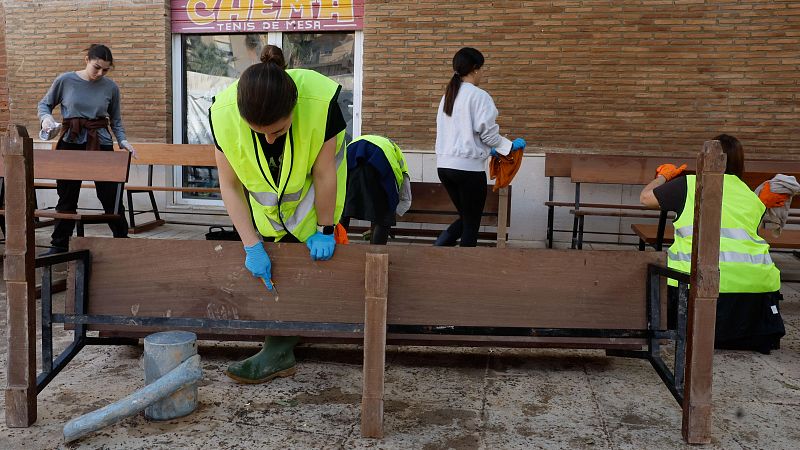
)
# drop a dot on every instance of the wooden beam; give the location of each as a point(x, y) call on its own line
point(376, 293)
point(17, 151)
point(703, 294)
point(502, 217)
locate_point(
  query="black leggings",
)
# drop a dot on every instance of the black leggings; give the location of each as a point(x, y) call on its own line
point(467, 190)
point(68, 194)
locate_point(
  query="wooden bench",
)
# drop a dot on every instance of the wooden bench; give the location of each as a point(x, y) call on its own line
point(618, 170)
point(431, 206)
point(78, 165)
point(596, 169)
point(757, 172)
point(168, 155)
point(371, 293)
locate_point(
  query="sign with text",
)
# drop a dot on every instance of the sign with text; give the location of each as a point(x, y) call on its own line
point(260, 16)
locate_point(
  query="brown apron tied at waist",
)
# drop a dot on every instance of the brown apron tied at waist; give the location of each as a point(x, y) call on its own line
point(77, 124)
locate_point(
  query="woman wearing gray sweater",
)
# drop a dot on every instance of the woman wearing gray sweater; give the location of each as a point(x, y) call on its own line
point(90, 104)
point(466, 135)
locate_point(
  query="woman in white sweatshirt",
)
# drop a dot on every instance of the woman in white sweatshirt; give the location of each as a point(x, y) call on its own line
point(466, 135)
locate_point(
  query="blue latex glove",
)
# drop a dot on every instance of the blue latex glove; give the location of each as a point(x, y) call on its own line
point(258, 263)
point(518, 144)
point(493, 152)
point(321, 246)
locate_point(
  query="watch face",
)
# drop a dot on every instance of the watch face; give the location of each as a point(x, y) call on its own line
point(327, 229)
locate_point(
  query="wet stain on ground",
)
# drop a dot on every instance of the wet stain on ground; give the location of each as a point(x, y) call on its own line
point(633, 419)
point(469, 441)
point(446, 416)
point(328, 396)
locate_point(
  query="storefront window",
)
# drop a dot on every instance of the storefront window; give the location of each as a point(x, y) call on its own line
point(212, 62)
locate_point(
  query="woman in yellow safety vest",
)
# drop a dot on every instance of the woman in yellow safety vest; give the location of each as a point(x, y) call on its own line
point(280, 136)
point(748, 311)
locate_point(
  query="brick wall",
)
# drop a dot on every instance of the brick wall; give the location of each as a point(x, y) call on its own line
point(4, 116)
point(624, 76)
point(48, 38)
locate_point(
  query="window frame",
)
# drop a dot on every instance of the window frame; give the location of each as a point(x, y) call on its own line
point(179, 108)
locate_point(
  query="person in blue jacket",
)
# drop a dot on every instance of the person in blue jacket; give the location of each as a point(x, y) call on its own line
point(378, 185)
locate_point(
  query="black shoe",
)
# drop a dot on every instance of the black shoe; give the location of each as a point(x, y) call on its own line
point(54, 251)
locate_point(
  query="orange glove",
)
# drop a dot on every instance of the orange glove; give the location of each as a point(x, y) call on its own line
point(669, 171)
point(340, 234)
point(771, 199)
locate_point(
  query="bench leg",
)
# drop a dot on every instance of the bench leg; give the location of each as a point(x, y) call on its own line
point(580, 233)
point(377, 288)
point(550, 212)
point(641, 245)
point(131, 215)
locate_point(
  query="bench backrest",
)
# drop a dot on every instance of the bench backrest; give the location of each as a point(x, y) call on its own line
point(430, 203)
point(427, 285)
point(148, 153)
point(557, 164)
point(637, 170)
point(79, 165)
point(175, 154)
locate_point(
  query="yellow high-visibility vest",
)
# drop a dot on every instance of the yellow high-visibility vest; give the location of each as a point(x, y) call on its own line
point(744, 262)
point(286, 205)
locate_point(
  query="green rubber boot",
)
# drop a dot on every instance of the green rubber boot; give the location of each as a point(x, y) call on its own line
point(276, 359)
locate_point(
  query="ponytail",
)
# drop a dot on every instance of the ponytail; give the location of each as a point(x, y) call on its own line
point(450, 94)
point(465, 62)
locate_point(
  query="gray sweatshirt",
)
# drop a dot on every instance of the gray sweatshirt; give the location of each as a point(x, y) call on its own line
point(85, 99)
point(464, 139)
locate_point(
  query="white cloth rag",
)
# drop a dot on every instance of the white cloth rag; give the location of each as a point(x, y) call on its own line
point(775, 218)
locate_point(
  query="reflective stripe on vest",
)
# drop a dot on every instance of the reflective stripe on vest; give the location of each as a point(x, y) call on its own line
point(303, 208)
point(744, 261)
point(271, 198)
point(726, 257)
point(288, 201)
point(730, 233)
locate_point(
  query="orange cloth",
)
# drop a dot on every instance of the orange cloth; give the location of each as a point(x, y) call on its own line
point(340, 234)
point(771, 199)
point(504, 168)
point(669, 171)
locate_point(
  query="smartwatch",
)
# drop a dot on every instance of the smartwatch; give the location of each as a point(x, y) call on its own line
point(325, 229)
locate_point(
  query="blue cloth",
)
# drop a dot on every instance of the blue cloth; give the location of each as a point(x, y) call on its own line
point(374, 156)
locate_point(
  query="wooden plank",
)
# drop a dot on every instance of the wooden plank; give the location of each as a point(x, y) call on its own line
point(209, 190)
point(519, 287)
point(614, 213)
point(703, 293)
point(620, 169)
point(557, 164)
point(440, 286)
point(503, 216)
point(175, 154)
point(154, 153)
point(81, 165)
point(433, 197)
point(376, 291)
point(413, 216)
point(19, 272)
point(207, 279)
